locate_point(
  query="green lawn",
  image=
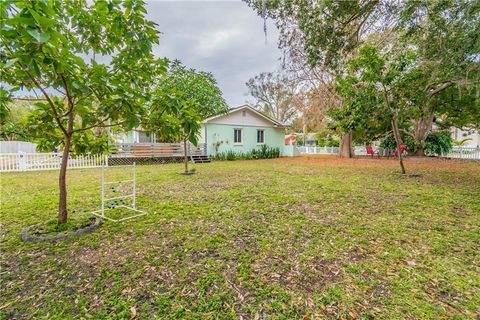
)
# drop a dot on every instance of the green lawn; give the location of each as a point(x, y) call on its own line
point(268, 239)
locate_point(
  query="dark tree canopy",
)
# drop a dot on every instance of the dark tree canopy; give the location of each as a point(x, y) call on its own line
point(443, 36)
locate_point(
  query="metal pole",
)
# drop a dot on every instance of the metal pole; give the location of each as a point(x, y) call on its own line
point(103, 190)
point(134, 186)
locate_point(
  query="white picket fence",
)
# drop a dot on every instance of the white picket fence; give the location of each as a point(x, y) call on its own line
point(318, 150)
point(464, 153)
point(456, 152)
point(23, 161)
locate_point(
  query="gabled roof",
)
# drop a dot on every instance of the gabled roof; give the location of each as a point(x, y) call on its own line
point(247, 107)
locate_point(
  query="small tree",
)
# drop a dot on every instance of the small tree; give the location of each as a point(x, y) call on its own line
point(189, 126)
point(182, 99)
point(372, 90)
point(44, 48)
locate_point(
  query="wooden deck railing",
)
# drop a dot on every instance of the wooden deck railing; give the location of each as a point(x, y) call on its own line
point(156, 150)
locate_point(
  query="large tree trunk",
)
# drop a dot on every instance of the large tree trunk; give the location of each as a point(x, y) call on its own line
point(422, 128)
point(398, 140)
point(62, 182)
point(185, 155)
point(346, 150)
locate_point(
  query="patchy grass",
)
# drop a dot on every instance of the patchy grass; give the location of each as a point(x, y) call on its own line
point(53, 228)
point(305, 238)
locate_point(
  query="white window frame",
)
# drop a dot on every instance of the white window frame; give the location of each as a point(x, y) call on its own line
point(263, 136)
point(241, 137)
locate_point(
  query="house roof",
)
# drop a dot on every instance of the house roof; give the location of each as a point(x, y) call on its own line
point(247, 107)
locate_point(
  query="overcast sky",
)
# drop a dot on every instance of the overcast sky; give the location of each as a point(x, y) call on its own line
point(222, 37)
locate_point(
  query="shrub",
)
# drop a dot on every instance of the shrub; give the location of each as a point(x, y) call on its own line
point(389, 143)
point(438, 143)
point(264, 152)
point(327, 138)
point(230, 155)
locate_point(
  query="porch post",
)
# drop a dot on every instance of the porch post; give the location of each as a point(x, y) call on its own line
point(205, 152)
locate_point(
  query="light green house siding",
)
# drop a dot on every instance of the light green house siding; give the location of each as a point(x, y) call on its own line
point(220, 137)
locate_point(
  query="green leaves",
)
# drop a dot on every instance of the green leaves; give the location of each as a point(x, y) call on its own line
point(11, 62)
point(40, 37)
point(180, 101)
point(43, 22)
point(371, 91)
point(43, 47)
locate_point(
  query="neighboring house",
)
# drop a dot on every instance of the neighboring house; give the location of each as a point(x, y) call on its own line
point(472, 138)
point(310, 139)
point(290, 138)
point(241, 130)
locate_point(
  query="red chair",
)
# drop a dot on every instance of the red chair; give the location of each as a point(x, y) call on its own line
point(372, 152)
point(403, 148)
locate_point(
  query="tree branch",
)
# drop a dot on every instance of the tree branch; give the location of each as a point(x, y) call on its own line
point(99, 125)
point(30, 99)
point(407, 132)
point(50, 102)
point(440, 87)
point(69, 97)
point(47, 97)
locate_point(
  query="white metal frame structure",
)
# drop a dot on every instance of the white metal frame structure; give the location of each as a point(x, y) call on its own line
point(133, 195)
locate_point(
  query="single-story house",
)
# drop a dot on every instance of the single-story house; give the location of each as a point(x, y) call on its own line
point(241, 129)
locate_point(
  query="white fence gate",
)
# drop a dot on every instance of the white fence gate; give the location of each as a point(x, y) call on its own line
point(23, 161)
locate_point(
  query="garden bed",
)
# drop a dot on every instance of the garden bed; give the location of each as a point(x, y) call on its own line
point(52, 231)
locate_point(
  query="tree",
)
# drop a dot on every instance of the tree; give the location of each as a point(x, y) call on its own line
point(328, 32)
point(44, 48)
point(372, 89)
point(180, 101)
point(459, 106)
point(445, 37)
point(274, 94)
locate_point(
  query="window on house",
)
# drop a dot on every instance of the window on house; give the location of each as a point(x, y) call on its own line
point(237, 135)
point(260, 136)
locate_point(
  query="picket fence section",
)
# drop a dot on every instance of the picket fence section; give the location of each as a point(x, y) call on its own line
point(318, 150)
point(457, 152)
point(464, 153)
point(23, 161)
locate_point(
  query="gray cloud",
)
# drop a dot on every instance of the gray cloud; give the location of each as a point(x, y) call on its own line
point(224, 38)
